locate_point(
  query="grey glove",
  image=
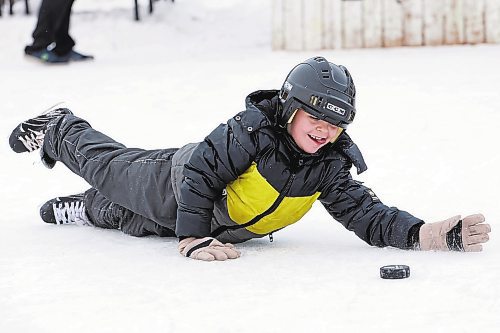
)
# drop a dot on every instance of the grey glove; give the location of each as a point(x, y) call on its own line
point(207, 249)
point(455, 234)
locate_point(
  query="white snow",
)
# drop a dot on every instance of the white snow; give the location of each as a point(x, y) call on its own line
point(427, 125)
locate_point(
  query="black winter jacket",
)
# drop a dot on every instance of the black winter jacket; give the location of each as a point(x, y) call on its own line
point(248, 178)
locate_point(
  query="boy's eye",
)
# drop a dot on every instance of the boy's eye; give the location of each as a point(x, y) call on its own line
point(313, 117)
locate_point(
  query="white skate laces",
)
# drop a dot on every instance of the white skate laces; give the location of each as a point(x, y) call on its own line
point(33, 140)
point(72, 212)
point(29, 135)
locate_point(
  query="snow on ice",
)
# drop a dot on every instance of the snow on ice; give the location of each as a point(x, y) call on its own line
point(427, 124)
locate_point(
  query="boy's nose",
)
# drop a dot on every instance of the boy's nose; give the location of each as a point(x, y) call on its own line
point(323, 126)
point(320, 128)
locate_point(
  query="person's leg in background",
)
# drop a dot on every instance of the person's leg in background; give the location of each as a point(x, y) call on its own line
point(50, 17)
point(64, 43)
point(51, 40)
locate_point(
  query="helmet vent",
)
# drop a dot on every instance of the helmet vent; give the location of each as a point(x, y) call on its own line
point(314, 100)
point(351, 116)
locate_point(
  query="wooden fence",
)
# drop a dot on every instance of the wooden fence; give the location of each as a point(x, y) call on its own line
point(334, 24)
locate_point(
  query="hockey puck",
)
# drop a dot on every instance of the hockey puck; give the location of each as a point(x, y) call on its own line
point(394, 272)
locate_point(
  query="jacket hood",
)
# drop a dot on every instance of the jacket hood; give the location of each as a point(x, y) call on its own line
point(266, 101)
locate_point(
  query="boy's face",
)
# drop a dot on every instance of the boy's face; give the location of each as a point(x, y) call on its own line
point(311, 133)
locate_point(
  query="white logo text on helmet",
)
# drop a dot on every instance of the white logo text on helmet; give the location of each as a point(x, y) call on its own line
point(335, 109)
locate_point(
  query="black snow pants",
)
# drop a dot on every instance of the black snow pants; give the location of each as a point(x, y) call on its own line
point(131, 187)
point(53, 27)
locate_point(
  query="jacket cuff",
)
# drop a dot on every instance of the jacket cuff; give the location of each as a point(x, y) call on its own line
point(189, 224)
point(413, 237)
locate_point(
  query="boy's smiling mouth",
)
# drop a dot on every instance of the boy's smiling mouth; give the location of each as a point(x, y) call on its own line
point(317, 139)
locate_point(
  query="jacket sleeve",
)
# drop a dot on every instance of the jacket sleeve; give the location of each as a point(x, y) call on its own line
point(360, 210)
point(216, 161)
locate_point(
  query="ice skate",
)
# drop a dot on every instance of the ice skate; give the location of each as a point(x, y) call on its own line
point(28, 136)
point(65, 210)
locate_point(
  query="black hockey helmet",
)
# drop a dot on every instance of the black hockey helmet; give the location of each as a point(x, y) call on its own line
point(320, 88)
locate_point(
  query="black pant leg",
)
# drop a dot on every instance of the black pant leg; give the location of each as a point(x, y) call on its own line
point(136, 179)
point(53, 21)
point(105, 214)
point(64, 42)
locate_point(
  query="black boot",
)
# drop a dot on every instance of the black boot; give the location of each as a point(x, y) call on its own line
point(77, 56)
point(46, 56)
point(65, 210)
point(28, 136)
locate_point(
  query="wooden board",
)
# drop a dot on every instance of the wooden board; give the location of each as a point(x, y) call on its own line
point(372, 23)
point(474, 21)
point(453, 22)
point(278, 37)
point(293, 25)
point(352, 36)
point(433, 22)
point(412, 22)
point(312, 24)
point(492, 21)
point(337, 23)
point(392, 21)
point(332, 24)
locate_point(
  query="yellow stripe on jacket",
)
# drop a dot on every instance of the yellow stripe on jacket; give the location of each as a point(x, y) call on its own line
point(250, 195)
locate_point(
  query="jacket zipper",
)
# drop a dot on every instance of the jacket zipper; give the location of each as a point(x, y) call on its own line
point(257, 218)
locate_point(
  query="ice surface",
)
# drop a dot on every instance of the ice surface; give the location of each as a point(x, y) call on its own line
point(427, 124)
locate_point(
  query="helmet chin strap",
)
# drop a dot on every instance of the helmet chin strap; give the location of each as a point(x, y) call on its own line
point(338, 134)
point(291, 117)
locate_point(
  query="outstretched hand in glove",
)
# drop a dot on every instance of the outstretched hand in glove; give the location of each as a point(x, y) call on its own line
point(455, 234)
point(207, 249)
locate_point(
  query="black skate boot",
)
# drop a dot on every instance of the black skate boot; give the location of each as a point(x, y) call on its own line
point(65, 210)
point(28, 135)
